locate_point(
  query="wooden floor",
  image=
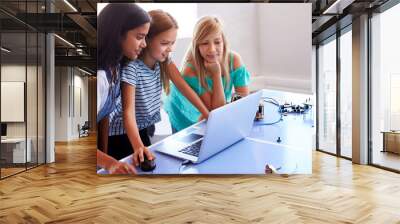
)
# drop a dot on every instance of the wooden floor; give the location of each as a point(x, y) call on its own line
point(10, 171)
point(69, 191)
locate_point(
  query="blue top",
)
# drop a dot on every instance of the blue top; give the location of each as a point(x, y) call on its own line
point(114, 93)
point(182, 113)
point(148, 89)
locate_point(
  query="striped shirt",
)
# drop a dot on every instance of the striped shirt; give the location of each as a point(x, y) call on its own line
point(148, 91)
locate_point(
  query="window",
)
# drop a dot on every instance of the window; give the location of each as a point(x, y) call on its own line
point(385, 87)
point(327, 96)
point(22, 76)
point(346, 93)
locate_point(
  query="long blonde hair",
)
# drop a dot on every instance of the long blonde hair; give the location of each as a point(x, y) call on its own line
point(203, 28)
point(161, 21)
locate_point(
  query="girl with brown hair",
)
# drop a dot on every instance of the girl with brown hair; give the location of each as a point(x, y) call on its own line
point(142, 83)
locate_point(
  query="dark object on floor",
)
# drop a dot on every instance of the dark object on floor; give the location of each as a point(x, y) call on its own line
point(84, 130)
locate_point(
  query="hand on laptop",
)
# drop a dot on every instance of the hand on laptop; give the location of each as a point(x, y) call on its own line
point(138, 155)
point(202, 117)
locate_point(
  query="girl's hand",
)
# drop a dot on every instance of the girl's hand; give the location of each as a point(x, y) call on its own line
point(121, 168)
point(213, 68)
point(138, 155)
point(202, 116)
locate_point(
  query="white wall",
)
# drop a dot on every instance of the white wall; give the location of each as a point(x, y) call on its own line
point(80, 83)
point(180, 48)
point(314, 69)
point(61, 103)
point(240, 27)
point(240, 24)
point(285, 45)
point(68, 82)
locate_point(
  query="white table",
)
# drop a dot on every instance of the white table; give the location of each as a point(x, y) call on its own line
point(17, 146)
point(292, 155)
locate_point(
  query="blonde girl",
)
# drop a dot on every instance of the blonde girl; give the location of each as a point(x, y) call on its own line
point(212, 70)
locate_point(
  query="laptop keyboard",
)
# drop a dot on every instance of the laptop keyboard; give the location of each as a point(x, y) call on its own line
point(193, 149)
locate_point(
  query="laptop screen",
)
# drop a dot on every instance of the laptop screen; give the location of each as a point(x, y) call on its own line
point(190, 138)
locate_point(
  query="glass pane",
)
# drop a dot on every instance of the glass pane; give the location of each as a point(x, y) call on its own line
point(327, 97)
point(346, 93)
point(41, 98)
point(386, 89)
point(13, 86)
point(31, 101)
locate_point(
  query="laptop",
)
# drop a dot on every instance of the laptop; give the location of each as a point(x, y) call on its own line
point(225, 126)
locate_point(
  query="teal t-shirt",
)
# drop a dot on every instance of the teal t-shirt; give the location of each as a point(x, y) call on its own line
point(181, 111)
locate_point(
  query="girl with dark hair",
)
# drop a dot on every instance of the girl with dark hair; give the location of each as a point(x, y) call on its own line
point(142, 83)
point(121, 32)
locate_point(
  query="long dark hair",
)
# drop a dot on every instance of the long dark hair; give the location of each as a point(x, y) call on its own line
point(113, 22)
